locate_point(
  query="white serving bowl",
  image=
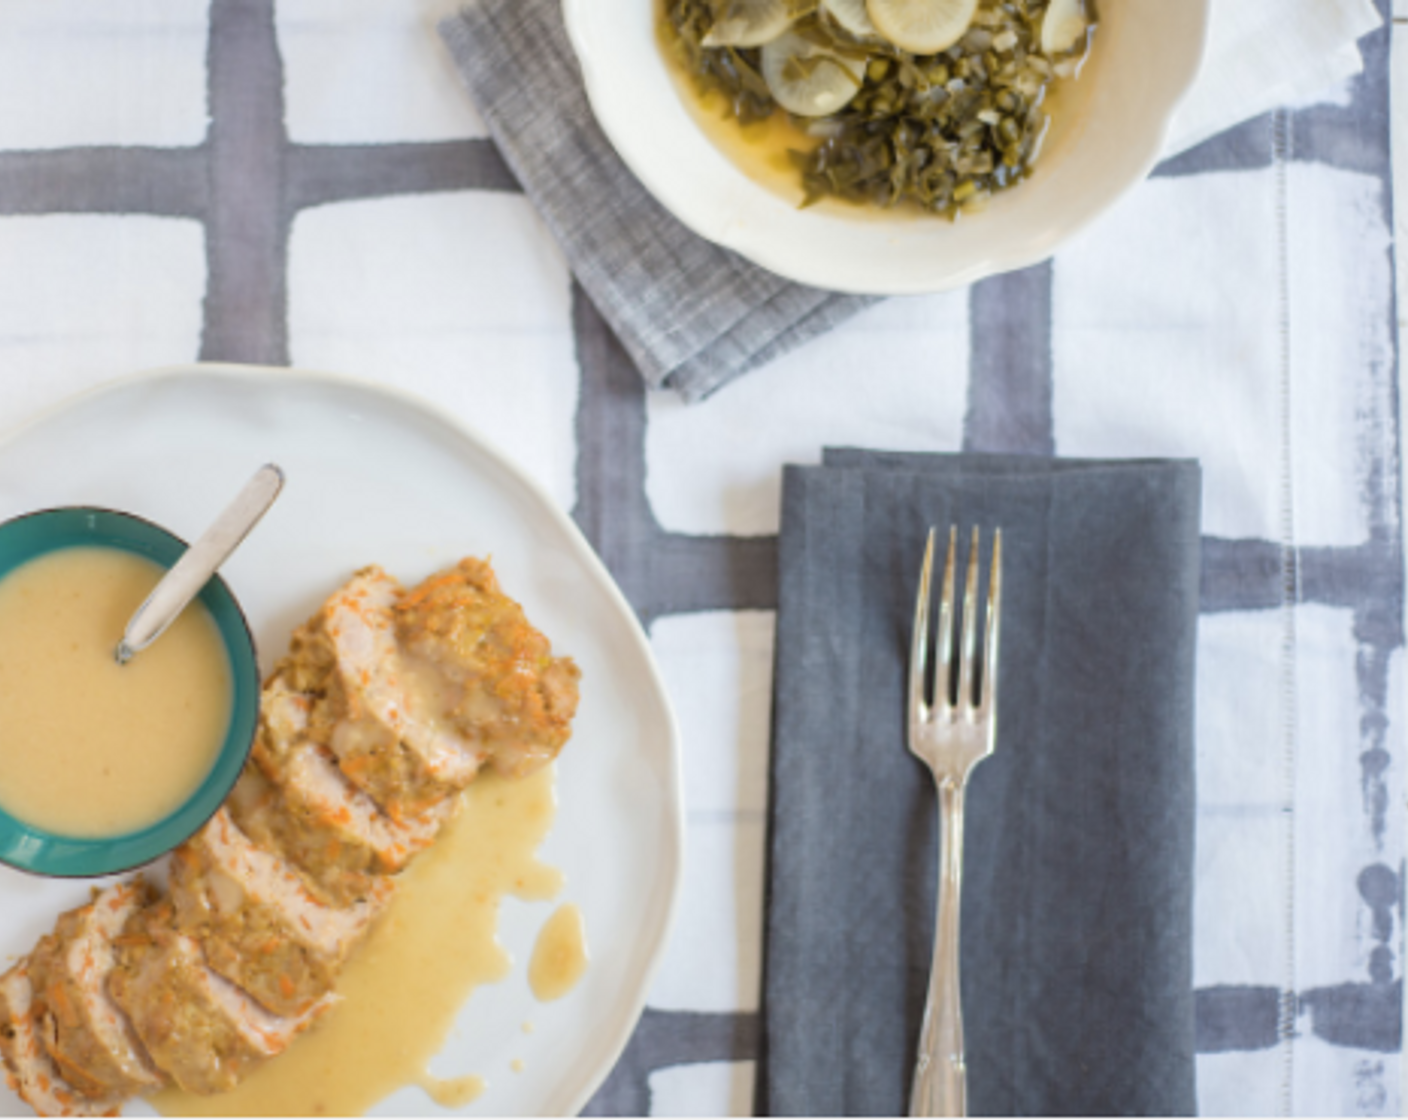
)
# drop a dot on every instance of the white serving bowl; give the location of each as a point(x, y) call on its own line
point(1109, 134)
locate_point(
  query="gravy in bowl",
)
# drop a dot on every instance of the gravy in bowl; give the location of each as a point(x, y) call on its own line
point(90, 748)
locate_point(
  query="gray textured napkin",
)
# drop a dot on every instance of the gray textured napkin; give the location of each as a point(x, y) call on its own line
point(691, 315)
point(1077, 923)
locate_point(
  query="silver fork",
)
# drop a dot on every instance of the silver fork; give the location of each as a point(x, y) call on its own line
point(952, 733)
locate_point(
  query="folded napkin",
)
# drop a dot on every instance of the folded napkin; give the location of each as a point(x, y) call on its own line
point(693, 316)
point(1077, 907)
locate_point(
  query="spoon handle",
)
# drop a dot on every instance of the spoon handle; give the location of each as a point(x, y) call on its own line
point(198, 563)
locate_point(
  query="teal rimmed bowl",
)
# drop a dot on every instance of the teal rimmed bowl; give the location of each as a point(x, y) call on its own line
point(35, 850)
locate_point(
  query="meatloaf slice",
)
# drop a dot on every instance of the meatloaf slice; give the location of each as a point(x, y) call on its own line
point(501, 689)
point(205, 1033)
point(29, 1070)
point(259, 925)
point(388, 740)
point(335, 873)
point(85, 1034)
point(295, 801)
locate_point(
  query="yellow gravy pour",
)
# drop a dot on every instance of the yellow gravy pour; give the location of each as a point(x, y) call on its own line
point(403, 989)
point(560, 955)
point(91, 747)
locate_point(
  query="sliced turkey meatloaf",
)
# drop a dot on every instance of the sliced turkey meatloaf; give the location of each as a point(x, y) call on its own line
point(29, 1069)
point(498, 685)
point(258, 924)
point(87, 1036)
point(335, 873)
point(296, 801)
point(203, 1031)
point(387, 733)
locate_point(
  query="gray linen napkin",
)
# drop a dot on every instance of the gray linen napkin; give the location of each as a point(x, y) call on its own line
point(1076, 953)
point(691, 315)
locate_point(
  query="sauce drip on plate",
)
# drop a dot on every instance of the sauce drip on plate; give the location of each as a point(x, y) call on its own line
point(560, 955)
point(403, 989)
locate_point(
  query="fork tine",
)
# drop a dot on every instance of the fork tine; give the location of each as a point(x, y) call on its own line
point(967, 682)
point(919, 645)
point(943, 679)
point(994, 623)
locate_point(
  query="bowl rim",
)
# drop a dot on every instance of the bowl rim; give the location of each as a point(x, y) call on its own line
point(1146, 147)
point(45, 854)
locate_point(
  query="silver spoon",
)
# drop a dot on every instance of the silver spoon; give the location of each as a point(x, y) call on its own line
point(198, 563)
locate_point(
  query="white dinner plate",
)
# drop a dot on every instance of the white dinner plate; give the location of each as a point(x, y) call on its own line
point(378, 477)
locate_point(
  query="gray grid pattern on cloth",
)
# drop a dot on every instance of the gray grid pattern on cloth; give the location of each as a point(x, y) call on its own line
point(661, 572)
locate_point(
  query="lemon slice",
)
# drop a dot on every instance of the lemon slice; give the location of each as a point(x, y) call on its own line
point(749, 23)
point(852, 16)
point(922, 26)
point(807, 79)
point(1063, 27)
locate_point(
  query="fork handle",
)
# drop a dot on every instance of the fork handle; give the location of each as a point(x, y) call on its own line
point(940, 1085)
